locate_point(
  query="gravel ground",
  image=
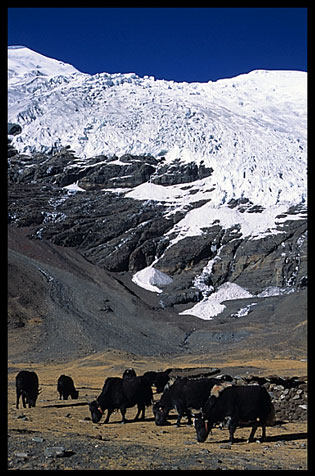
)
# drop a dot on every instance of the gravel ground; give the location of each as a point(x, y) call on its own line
point(40, 451)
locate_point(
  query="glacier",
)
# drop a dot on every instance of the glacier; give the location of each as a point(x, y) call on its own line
point(251, 130)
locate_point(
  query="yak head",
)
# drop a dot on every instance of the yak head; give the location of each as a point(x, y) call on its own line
point(204, 421)
point(75, 394)
point(31, 397)
point(160, 414)
point(96, 411)
point(202, 427)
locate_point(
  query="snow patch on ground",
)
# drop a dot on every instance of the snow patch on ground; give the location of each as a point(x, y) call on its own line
point(211, 306)
point(254, 225)
point(150, 279)
point(244, 310)
point(74, 187)
point(274, 291)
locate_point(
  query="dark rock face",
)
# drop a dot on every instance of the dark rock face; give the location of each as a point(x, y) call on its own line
point(276, 260)
point(14, 129)
point(125, 235)
point(88, 221)
point(175, 173)
point(59, 168)
point(129, 172)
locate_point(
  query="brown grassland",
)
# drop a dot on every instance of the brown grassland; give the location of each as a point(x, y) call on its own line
point(140, 445)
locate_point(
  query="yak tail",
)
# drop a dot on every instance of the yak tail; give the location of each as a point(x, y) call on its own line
point(148, 401)
point(270, 420)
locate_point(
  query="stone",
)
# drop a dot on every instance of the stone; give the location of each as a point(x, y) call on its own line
point(176, 172)
point(296, 397)
point(22, 417)
point(54, 451)
point(21, 455)
point(226, 446)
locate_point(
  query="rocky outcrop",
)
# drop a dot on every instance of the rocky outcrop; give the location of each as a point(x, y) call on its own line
point(125, 235)
point(274, 261)
point(62, 168)
point(177, 172)
point(278, 260)
point(14, 129)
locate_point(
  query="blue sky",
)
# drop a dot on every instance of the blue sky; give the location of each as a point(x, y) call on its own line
point(180, 44)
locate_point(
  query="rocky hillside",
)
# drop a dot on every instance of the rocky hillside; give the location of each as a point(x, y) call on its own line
point(119, 233)
point(124, 236)
point(190, 197)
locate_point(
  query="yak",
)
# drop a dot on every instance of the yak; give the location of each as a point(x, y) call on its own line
point(242, 405)
point(119, 393)
point(184, 394)
point(27, 388)
point(66, 388)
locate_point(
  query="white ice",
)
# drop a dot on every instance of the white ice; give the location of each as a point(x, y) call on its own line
point(211, 306)
point(151, 279)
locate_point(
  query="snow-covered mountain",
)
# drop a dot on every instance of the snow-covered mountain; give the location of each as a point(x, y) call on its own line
point(25, 65)
point(249, 132)
point(250, 129)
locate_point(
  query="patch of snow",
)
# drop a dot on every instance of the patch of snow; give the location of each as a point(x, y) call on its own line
point(74, 187)
point(118, 190)
point(274, 291)
point(244, 311)
point(150, 279)
point(211, 306)
point(254, 225)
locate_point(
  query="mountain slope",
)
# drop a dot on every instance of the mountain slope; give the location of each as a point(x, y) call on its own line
point(26, 65)
point(193, 191)
point(62, 307)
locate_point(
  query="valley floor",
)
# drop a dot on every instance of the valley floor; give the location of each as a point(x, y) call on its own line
point(67, 316)
point(36, 434)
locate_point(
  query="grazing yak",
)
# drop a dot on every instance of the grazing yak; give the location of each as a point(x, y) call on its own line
point(65, 387)
point(26, 386)
point(243, 405)
point(183, 395)
point(159, 379)
point(129, 373)
point(122, 393)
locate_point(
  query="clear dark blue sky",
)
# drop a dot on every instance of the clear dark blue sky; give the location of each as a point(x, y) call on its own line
point(182, 44)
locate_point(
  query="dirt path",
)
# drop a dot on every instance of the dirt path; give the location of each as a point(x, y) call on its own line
point(34, 434)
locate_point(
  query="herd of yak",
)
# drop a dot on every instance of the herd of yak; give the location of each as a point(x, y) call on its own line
point(216, 398)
